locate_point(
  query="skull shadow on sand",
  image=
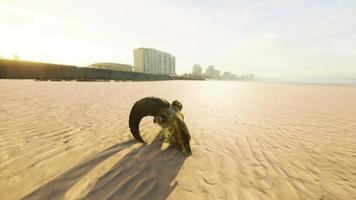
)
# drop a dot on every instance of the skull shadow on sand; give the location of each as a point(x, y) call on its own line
point(144, 173)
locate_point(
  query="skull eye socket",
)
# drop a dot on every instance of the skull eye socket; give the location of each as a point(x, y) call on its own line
point(163, 118)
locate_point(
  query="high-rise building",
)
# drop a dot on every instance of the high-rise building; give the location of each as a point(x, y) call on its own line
point(153, 61)
point(197, 70)
point(211, 72)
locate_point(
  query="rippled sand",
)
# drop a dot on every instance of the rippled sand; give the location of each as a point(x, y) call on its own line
point(70, 140)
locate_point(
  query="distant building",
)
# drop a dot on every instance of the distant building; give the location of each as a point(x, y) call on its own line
point(228, 75)
point(112, 66)
point(197, 70)
point(210, 72)
point(153, 61)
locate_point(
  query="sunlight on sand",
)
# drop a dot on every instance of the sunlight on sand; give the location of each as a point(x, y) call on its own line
point(70, 140)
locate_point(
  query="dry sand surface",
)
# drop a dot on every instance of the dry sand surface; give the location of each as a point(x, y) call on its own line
point(70, 140)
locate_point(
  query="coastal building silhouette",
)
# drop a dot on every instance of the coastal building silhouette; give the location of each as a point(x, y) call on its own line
point(228, 75)
point(197, 70)
point(211, 72)
point(153, 61)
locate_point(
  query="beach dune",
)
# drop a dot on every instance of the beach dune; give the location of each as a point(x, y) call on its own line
point(70, 140)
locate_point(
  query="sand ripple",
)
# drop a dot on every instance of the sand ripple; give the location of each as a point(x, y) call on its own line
point(70, 140)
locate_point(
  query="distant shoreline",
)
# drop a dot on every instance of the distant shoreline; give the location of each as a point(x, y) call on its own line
point(346, 82)
point(351, 84)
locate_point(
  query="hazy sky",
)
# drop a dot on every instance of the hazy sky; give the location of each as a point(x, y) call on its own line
point(271, 38)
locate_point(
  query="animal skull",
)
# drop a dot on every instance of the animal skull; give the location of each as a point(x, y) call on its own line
point(167, 116)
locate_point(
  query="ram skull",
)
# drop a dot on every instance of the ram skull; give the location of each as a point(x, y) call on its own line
point(167, 116)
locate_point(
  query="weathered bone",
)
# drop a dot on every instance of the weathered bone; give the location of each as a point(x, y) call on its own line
point(165, 115)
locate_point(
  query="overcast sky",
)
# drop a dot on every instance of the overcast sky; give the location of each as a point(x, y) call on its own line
point(271, 38)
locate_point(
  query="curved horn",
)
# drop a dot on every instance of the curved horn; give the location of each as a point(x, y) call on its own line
point(148, 106)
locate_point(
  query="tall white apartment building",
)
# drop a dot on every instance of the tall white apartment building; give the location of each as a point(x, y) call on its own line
point(153, 61)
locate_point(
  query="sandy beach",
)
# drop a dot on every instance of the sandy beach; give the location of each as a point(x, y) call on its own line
point(70, 140)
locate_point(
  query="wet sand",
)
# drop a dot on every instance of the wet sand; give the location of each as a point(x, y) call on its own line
point(70, 140)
